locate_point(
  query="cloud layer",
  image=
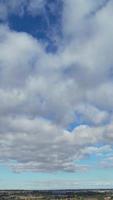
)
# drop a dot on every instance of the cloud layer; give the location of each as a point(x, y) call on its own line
point(45, 95)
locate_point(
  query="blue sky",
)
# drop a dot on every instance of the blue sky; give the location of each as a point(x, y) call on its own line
point(56, 99)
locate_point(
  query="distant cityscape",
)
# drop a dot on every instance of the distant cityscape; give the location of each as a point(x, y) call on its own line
point(96, 194)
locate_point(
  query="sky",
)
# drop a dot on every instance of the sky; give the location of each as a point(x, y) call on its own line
point(56, 94)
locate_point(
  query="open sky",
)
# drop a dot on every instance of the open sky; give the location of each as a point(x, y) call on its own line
point(56, 94)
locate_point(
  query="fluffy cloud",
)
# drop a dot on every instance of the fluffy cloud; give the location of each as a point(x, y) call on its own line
point(42, 94)
point(38, 145)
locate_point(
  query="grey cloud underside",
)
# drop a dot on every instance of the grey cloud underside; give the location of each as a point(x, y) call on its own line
point(38, 146)
point(42, 93)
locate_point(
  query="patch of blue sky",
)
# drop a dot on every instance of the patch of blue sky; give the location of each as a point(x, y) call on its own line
point(13, 180)
point(89, 160)
point(93, 177)
point(45, 26)
point(80, 120)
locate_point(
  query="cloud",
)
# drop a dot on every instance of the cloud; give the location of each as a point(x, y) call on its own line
point(39, 146)
point(44, 146)
point(42, 93)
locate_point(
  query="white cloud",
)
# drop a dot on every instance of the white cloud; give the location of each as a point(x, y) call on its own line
point(38, 145)
point(42, 93)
